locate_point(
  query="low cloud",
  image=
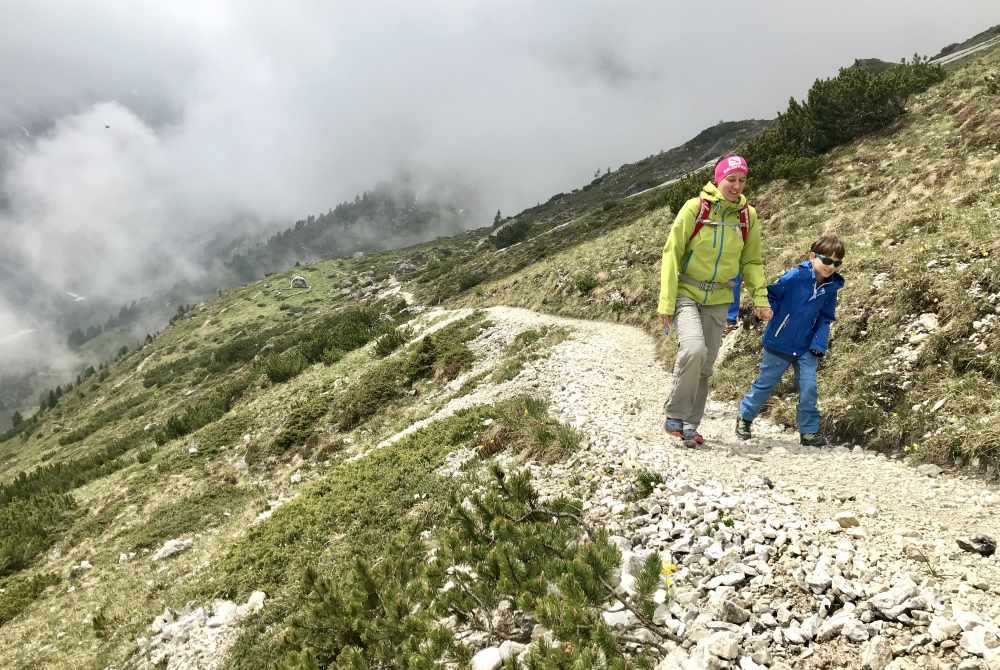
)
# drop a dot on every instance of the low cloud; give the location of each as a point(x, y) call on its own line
point(133, 133)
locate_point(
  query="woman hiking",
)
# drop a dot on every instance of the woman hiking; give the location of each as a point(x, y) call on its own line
point(714, 238)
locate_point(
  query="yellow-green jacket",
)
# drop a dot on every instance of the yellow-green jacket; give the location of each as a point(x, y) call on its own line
point(716, 254)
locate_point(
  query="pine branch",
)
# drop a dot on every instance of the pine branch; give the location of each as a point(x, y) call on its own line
point(482, 607)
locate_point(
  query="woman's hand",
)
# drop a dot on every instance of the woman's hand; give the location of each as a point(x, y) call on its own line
point(666, 320)
point(763, 313)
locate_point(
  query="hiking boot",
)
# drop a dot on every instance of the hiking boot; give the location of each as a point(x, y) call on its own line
point(674, 427)
point(692, 438)
point(812, 440)
point(743, 428)
point(729, 327)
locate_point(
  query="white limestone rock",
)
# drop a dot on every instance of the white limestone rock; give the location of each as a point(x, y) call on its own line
point(487, 659)
point(877, 654)
point(171, 547)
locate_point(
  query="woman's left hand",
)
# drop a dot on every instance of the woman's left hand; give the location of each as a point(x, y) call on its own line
point(763, 313)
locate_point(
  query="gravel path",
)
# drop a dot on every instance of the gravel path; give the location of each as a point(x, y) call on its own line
point(605, 381)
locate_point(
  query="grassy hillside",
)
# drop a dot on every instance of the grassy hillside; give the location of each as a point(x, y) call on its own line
point(258, 401)
point(917, 208)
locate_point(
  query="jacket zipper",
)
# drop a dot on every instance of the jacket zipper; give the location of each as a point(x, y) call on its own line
point(783, 322)
point(721, 230)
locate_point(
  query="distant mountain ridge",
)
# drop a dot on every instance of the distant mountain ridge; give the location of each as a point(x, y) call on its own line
point(391, 215)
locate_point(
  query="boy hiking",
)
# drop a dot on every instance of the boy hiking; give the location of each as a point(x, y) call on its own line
point(804, 301)
point(714, 237)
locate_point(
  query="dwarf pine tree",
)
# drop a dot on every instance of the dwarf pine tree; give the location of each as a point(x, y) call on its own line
point(504, 561)
point(376, 618)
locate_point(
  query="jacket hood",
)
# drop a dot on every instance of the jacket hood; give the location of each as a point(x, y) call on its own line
point(711, 192)
point(835, 279)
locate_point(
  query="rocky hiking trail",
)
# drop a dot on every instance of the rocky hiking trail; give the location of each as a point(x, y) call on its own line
point(788, 556)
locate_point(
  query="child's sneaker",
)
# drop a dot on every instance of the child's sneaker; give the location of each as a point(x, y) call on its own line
point(743, 428)
point(692, 438)
point(812, 440)
point(674, 427)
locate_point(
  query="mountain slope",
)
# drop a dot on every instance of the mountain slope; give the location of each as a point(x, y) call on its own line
point(252, 426)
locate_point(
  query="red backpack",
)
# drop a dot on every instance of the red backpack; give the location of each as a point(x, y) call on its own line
point(705, 209)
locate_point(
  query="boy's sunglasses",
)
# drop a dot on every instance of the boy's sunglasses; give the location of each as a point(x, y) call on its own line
point(826, 260)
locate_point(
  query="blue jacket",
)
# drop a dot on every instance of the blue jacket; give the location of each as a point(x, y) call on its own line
point(802, 310)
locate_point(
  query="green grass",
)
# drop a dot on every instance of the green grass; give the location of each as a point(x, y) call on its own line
point(441, 355)
point(187, 515)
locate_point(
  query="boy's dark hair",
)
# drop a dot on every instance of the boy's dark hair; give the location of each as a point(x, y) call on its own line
point(828, 245)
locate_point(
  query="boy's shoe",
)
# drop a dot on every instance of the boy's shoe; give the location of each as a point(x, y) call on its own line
point(812, 440)
point(729, 327)
point(674, 427)
point(743, 428)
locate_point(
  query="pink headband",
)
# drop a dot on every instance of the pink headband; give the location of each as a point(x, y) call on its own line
point(728, 165)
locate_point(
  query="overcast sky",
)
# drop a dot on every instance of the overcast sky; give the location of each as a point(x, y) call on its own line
point(131, 127)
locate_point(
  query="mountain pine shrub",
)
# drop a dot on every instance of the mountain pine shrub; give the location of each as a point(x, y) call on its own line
point(208, 409)
point(585, 282)
point(512, 233)
point(836, 111)
point(103, 418)
point(301, 424)
point(17, 592)
point(30, 526)
point(443, 355)
point(391, 340)
point(282, 366)
point(502, 557)
point(645, 482)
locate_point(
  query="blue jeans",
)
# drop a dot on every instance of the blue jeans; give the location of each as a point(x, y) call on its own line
point(772, 366)
point(734, 310)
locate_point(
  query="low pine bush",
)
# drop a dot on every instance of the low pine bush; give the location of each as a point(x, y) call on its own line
point(497, 548)
point(836, 111)
point(17, 592)
point(369, 394)
point(392, 340)
point(300, 424)
point(30, 526)
point(512, 233)
point(103, 418)
point(585, 282)
point(282, 366)
point(210, 408)
point(440, 355)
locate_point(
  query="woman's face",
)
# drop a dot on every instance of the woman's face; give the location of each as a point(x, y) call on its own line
point(732, 186)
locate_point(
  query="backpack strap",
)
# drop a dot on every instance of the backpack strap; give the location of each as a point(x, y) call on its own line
point(704, 209)
point(745, 222)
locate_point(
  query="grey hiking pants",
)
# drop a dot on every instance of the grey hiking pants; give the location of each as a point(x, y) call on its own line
point(699, 334)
